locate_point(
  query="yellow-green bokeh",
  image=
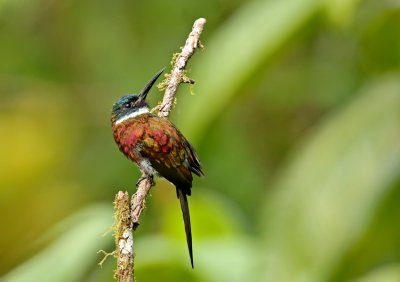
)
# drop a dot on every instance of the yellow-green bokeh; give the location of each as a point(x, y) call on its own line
point(296, 118)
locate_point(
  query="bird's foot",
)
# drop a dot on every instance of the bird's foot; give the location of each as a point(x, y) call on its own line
point(149, 177)
point(140, 180)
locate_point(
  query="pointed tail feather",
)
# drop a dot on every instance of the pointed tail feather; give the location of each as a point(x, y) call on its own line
point(186, 218)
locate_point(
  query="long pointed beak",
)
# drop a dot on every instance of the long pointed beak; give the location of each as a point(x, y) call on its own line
point(146, 89)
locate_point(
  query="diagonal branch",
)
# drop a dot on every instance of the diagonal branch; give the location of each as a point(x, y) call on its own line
point(125, 269)
point(172, 83)
point(177, 73)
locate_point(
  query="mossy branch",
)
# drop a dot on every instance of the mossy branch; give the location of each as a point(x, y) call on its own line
point(178, 74)
point(128, 211)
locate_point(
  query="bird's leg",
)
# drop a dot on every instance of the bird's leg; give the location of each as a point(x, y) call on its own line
point(150, 177)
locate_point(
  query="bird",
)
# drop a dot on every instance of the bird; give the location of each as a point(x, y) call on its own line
point(157, 147)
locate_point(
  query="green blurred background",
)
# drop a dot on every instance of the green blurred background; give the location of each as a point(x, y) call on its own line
point(296, 118)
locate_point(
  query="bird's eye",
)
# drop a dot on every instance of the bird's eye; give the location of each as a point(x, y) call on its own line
point(127, 105)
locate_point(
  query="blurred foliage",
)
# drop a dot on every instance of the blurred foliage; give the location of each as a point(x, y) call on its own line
point(296, 118)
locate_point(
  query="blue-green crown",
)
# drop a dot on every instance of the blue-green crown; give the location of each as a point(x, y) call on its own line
point(130, 103)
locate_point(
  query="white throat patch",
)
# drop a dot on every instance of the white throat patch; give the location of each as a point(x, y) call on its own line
point(139, 112)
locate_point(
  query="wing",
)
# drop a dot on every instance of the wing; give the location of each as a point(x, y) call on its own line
point(174, 158)
point(169, 152)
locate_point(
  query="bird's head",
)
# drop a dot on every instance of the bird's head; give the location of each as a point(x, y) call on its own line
point(132, 105)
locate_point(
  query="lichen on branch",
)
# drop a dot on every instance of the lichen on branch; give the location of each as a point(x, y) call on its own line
point(123, 238)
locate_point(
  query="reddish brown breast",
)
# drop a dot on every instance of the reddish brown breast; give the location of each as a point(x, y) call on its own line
point(127, 134)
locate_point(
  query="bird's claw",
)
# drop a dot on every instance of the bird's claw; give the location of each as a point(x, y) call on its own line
point(140, 180)
point(149, 177)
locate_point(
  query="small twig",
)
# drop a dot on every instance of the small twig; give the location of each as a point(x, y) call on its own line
point(128, 212)
point(106, 255)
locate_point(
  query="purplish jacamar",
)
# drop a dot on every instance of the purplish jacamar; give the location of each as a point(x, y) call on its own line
point(157, 147)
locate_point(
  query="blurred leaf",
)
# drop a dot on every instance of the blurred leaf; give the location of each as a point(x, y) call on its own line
point(73, 253)
point(236, 50)
point(213, 216)
point(324, 200)
point(376, 54)
point(228, 259)
point(40, 142)
point(341, 11)
point(390, 273)
point(231, 259)
point(379, 245)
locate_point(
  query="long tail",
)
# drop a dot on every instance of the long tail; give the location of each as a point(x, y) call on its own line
point(186, 218)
